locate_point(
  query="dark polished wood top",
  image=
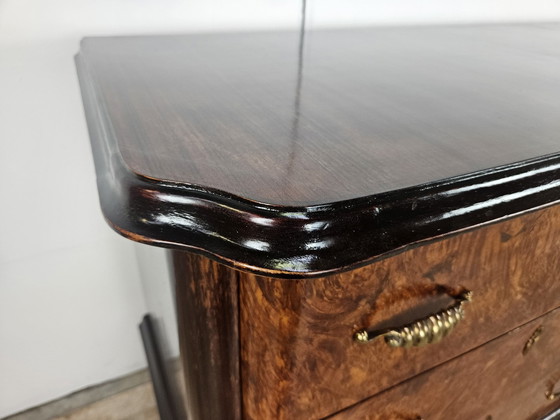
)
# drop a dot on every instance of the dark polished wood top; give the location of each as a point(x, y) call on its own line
point(300, 156)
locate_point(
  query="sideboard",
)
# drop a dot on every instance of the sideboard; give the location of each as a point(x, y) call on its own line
point(361, 223)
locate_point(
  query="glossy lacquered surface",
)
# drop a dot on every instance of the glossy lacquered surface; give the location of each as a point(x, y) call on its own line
point(293, 165)
point(377, 109)
point(299, 356)
point(207, 317)
point(496, 381)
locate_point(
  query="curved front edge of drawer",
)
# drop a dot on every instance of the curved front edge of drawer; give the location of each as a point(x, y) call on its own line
point(312, 347)
point(515, 376)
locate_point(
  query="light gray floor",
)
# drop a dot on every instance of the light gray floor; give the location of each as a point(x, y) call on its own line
point(129, 397)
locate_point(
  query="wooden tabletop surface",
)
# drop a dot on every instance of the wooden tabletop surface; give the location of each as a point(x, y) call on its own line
point(365, 111)
point(353, 120)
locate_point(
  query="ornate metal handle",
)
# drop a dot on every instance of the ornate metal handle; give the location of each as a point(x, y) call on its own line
point(423, 331)
point(550, 394)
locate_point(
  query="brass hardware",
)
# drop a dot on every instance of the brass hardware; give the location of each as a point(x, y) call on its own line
point(550, 394)
point(423, 331)
point(532, 340)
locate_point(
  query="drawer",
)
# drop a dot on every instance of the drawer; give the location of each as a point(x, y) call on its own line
point(298, 356)
point(507, 378)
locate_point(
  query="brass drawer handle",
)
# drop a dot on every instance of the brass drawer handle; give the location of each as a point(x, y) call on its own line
point(550, 394)
point(423, 331)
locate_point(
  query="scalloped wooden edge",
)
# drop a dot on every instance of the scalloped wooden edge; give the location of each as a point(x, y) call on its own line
point(298, 242)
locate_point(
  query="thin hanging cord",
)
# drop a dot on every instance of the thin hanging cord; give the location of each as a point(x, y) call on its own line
point(297, 101)
point(300, 60)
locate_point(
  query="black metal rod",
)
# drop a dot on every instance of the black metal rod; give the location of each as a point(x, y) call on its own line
point(164, 398)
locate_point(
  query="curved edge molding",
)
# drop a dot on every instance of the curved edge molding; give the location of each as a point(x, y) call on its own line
point(307, 241)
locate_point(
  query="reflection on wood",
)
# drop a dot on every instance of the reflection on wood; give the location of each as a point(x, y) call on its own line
point(495, 381)
point(299, 359)
point(207, 313)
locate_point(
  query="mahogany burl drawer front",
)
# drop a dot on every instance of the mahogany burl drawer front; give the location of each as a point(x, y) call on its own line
point(299, 358)
point(514, 377)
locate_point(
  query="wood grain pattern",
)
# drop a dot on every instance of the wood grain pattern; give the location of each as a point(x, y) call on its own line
point(198, 144)
point(379, 109)
point(298, 356)
point(495, 381)
point(207, 314)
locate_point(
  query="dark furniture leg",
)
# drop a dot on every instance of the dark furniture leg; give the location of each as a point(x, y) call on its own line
point(166, 405)
point(208, 318)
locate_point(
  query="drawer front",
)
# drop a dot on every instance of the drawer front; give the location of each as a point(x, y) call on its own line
point(504, 379)
point(299, 358)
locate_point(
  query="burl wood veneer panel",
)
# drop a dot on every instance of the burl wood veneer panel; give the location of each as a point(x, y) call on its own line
point(299, 360)
point(494, 382)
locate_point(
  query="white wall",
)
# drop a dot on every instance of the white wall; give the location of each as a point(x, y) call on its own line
point(70, 295)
